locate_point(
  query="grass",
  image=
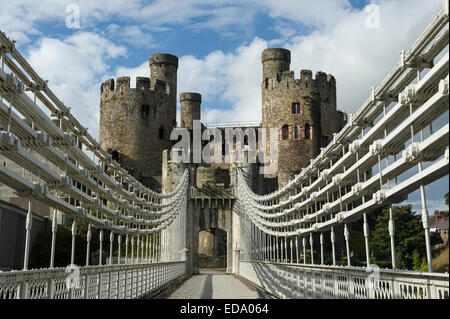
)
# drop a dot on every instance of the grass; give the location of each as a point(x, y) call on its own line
point(440, 262)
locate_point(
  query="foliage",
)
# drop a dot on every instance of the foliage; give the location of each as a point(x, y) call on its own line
point(373, 259)
point(353, 262)
point(416, 260)
point(424, 265)
point(409, 237)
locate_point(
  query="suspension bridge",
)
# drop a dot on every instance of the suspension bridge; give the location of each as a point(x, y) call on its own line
point(395, 135)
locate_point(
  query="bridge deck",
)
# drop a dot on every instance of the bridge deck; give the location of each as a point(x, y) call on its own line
point(213, 284)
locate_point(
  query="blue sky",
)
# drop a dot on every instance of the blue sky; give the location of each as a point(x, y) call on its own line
point(219, 44)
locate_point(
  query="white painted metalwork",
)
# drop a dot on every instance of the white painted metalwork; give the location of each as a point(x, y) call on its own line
point(56, 170)
point(335, 282)
point(351, 178)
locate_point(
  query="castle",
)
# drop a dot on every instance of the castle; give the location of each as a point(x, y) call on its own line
point(135, 126)
point(135, 123)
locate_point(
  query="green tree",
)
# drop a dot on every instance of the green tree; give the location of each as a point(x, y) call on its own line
point(424, 265)
point(409, 236)
point(416, 260)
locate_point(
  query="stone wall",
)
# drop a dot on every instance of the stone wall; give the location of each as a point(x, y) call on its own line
point(303, 110)
point(12, 235)
point(135, 123)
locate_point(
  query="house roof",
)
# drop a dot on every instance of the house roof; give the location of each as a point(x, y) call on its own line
point(439, 225)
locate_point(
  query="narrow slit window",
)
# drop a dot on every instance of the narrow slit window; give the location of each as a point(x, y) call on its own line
point(307, 131)
point(284, 132)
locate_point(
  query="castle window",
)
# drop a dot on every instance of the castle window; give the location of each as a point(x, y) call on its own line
point(325, 140)
point(115, 155)
point(161, 132)
point(266, 83)
point(295, 108)
point(295, 132)
point(145, 110)
point(307, 132)
point(284, 132)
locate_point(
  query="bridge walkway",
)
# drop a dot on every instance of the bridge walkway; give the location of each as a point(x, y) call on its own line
point(214, 283)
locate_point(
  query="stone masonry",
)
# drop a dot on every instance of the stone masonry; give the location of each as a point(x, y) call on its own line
point(135, 123)
point(303, 110)
point(135, 126)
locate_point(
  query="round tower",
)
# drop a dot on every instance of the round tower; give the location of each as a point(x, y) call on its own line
point(293, 107)
point(190, 108)
point(275, 61)
point(163, 67)
point(135, 123)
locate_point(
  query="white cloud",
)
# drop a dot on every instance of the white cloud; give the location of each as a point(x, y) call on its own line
point(360, 57)
point(341, 44)
point(21, 18)
point(316, 14)
point(232, 78)
point(73, 67)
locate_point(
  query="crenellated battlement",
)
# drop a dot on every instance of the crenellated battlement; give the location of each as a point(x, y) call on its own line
point(286, 80)
point(122, 85)
point(303, 109)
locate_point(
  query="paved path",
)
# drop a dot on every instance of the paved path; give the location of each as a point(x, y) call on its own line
point(213, 284)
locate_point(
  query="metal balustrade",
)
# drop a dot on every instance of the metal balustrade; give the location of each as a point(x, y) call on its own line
point(93, 282)
point(381, 156)
point(294, 281)
point(56, 168)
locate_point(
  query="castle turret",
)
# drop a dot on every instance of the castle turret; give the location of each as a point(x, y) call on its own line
point(275, 61)
point(135, 123)
point(163, 67)
point(303, 110)
point(190, 108)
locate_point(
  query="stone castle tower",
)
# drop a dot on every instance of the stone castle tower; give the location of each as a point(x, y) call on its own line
point(135, 123)
point(190, 108)
point(303, 110)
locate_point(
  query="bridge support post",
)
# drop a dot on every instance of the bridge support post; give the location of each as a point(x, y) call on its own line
point(119, 243)
point(333, 248)
point(304, 250)
point(54, 229)
point(366, 239)
point(392, 235)
point(229, 250)
point(321, 248)
point(74, 233)
point(111, 242)
point(347, 243)
point(237, 260)
point(101, 247)
point(28, 225)
point(88, 239)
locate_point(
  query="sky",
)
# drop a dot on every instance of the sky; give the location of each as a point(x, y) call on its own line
point(219, 45)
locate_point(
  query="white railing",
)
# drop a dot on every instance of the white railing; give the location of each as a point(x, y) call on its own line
point(91, 282)
point(392, 146)
point(330, 282)
point(54, 160)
